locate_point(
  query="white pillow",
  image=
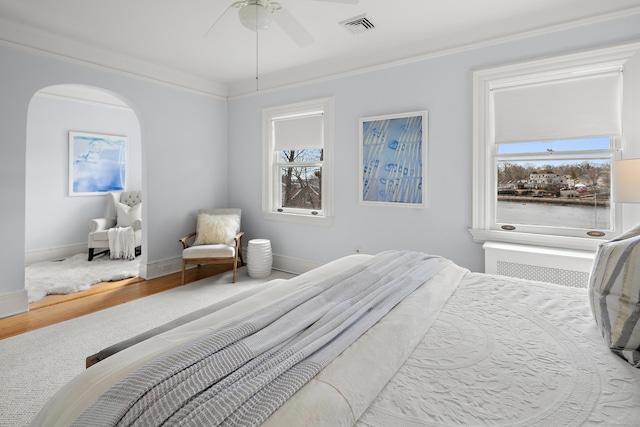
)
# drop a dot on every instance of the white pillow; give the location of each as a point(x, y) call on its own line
point(614, 294)
point(128, 214)
point(215, 229)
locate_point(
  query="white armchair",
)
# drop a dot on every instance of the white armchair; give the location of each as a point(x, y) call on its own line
point(124, 211)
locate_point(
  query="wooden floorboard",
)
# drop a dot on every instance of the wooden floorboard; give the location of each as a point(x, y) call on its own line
point(95, 289)
point(57, 308)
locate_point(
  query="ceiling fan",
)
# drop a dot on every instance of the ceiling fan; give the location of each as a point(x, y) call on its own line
point(257, 15)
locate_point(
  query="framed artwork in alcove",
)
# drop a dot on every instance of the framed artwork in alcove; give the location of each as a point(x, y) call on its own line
point(97, 163)
point(393, 159)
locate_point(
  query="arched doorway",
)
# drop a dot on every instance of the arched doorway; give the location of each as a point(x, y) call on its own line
point(56, 222)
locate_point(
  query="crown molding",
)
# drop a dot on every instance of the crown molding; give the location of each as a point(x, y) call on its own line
point(40, 42)
point(321, 71)
point(49, 45)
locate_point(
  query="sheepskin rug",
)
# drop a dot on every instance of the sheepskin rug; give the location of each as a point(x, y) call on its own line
point(75, 274)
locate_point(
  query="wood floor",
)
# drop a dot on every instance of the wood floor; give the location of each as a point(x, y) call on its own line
point(54, 309)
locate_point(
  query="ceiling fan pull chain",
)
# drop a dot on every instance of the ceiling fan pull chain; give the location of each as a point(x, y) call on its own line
point(257, 58)
point(257, 51)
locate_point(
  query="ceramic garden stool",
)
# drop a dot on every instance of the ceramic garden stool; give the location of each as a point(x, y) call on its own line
point(259, 258)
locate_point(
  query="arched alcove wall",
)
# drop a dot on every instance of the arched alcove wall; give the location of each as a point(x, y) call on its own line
point(181, 131)
point(56, 223)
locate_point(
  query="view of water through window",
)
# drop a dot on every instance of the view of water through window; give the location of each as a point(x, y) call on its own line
point(546, 215)
point(565, 183)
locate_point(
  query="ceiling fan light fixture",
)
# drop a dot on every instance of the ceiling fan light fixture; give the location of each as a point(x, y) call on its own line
point(255, 16)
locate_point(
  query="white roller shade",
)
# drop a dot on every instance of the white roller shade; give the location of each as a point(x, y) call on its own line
point(584, 106)
point(298, 133)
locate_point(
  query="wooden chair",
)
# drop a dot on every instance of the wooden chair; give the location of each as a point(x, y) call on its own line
point(217, 240)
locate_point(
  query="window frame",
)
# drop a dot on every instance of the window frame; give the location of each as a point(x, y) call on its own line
point(271, 191)
point(484, 166)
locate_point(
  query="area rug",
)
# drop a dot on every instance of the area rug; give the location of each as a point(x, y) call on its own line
point(75, 274)
point(37, 364)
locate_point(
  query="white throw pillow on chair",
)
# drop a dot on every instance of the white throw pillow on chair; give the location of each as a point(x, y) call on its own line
point(216, 229)
point(127, 215)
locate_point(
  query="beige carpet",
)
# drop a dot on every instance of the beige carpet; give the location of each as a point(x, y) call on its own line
point(36, 364)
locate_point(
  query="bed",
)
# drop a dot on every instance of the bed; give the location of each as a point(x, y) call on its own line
point(461, 348)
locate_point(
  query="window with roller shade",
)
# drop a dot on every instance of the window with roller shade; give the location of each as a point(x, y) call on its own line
point(297, 160)
point(546, 134)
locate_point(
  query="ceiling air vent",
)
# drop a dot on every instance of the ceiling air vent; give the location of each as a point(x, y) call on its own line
point(358, 24)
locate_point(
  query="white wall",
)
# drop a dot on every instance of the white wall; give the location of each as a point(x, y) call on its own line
point(440, 85)
point(184, 157)
point(53, 218)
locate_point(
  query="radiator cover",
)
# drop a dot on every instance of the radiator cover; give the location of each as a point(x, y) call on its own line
point(559, 266)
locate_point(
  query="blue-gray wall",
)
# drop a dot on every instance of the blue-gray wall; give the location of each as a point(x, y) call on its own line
point(201, 151)
point(440, 85)
point(184, 156)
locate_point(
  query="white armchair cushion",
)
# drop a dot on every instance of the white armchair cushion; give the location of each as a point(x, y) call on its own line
point(209, 251)
point(127, 215)
point(216, 229)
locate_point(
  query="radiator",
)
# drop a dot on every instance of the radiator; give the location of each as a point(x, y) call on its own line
point(559, 266)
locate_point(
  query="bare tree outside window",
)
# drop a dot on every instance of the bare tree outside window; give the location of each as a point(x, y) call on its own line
point(301, 174)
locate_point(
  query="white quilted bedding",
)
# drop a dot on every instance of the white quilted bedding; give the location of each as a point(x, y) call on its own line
point(505, 352)
point(499, 352)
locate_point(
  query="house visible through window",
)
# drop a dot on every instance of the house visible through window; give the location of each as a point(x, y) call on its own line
point(297, 162)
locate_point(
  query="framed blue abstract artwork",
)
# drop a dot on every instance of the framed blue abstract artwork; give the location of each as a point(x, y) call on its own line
point(393, 159)
point(97, 163)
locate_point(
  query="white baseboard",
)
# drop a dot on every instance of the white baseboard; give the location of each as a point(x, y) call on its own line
point(52, 254)
point(161, 268)
point(293, 265)
point(14, 303)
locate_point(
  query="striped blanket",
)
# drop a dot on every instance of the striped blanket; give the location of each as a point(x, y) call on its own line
point(242, 372)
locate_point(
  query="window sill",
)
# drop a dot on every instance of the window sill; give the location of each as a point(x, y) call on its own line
point(323, 221)
point(577, 243)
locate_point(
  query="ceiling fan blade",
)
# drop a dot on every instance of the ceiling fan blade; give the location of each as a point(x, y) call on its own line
point(341, 1)
point(292, 27)
point(217, 20)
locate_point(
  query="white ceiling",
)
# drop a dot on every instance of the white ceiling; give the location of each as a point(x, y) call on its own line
point(165, 40)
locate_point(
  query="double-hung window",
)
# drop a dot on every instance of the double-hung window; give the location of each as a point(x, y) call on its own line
point(298, 162)
point(546, 135)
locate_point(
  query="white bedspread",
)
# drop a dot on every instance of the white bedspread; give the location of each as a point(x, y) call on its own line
point(505, 352)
